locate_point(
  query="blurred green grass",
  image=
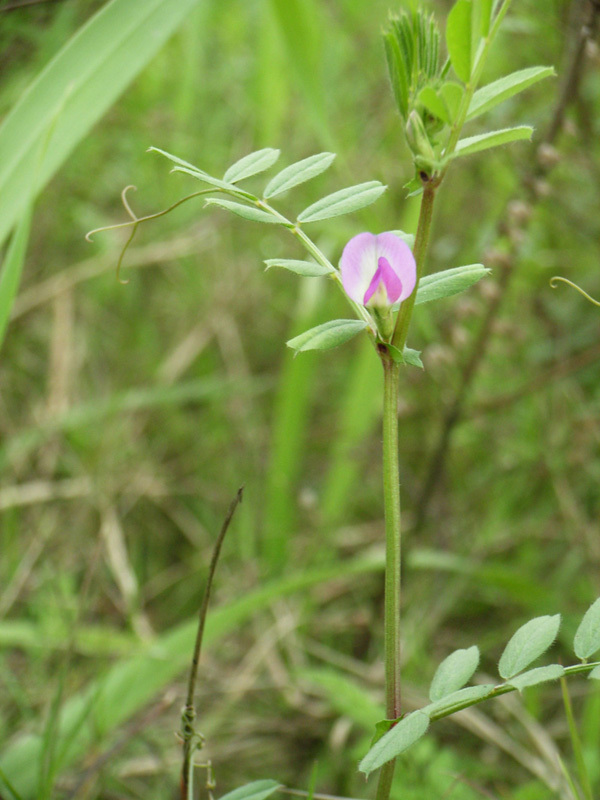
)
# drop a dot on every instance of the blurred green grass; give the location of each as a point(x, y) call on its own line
point(130, 414)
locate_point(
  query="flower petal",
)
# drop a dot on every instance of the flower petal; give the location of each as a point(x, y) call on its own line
point(373, 286)
point(400, 258)
point(386, 286)
point(378, 270)
point(391, 280)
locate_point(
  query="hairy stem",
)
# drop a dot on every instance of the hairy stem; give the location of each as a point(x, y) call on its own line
point(386, 776)
point(393, 549)
point(420, 253)
point(393, 537)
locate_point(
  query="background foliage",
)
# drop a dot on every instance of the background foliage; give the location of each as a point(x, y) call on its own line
point(129, 416)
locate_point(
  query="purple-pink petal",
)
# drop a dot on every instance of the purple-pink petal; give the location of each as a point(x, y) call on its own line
point(358, 264)
point(386, 276)
point(384, 262)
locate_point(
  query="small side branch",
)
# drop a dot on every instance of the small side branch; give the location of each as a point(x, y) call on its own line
point(188, 733)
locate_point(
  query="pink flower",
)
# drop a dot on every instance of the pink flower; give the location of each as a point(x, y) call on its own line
point(378, 271)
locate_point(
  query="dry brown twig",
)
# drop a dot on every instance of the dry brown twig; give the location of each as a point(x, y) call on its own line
point(191, 739)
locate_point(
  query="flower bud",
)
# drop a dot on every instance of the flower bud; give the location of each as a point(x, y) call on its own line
point(417, 138)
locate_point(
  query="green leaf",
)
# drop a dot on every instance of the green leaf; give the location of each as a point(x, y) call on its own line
point(587, 638)
point(408, 238)
point(497, 92)
point(217, 182)
point(595, 674)
point(406, 356)
point(538, 675)
point(200, 174)
point(83, 80)
point(434, 103)
point(527, 644)
point(381, 728)
point(397, 71)
point(329, 334)
point(457, 700)
point(247, 212)
point(343, 202)
point(458, 38)
point(251, 164)
point(176, 160)
point(308, 269)
point(448, 282)
point(257, 790)
point(395, 741)
point(454, 672)
point(485, 141)
point(412, 357)
point(12, 267)
point(298, 173)
point(452, 94)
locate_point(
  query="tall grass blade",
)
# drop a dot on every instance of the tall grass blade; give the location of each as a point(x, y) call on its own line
point(301, 24)
point(6, 785)
point(271, 83)
point(91, 71)
point(288, 438)
point(10, 276)
point(358, 414)
point(346, 696)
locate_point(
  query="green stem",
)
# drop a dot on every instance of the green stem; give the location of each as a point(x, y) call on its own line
point(430, 186)
point(584, 778)
point(419, 252)
point(391, 491)
point(393, 549)
point(386, 776)
point(393, 537)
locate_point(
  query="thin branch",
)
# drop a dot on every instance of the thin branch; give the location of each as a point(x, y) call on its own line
point(586, 31)
point(188, 733)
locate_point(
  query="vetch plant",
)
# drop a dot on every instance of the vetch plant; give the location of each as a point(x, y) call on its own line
point(382, 276)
